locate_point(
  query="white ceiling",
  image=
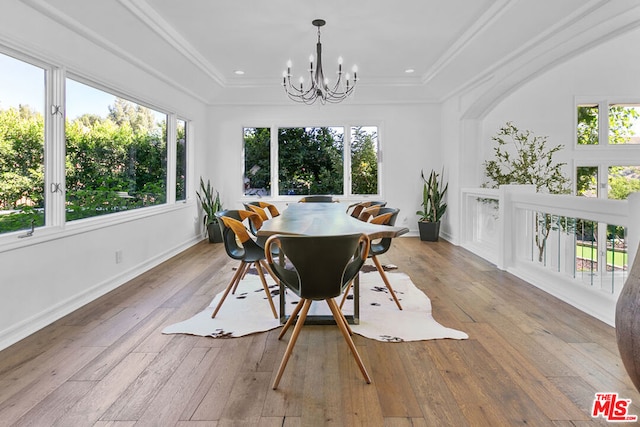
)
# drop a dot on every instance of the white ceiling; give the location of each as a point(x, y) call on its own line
point(454, 46)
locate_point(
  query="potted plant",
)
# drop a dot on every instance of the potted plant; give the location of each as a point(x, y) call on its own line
point(433, 205)
point(210, 203)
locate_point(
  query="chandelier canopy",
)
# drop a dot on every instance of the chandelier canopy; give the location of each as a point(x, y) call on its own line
point(319, 88)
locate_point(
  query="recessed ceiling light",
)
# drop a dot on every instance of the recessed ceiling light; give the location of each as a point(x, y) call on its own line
point(409, 70)
point(239, 72)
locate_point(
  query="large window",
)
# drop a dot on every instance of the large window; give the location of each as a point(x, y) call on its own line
point(257, 162)
point(604, 123)
point(22, 91)
point(115, 161)
point(609, 174)
point(311, 160)
point(111, 152)
point(181, 160)
point(364, 160)
point(607, 137)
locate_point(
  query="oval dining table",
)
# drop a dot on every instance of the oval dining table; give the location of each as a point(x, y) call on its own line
point(324, 219)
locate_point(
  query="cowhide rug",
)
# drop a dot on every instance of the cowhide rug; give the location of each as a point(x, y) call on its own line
point(248, 311)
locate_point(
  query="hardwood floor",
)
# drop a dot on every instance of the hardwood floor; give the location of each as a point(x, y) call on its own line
point(530, 359)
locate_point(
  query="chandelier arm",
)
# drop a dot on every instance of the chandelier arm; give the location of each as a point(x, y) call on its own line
point(296, 94)
point(318, 89)
point(295, 89)
point(333, 95)
point(301, 96)
point(336, 87)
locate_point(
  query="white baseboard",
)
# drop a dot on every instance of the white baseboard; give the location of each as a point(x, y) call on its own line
point(23, 329)
point(593, 302)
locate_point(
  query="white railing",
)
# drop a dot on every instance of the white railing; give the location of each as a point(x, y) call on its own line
point(576, 248)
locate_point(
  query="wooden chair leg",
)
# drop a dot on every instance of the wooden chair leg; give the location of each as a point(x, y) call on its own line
point(345, 333)
point(266, 268)
point(346, 292)
point(292, 342)
point(234, 280)
point(244, 266)
point(291, 318)
point(266, 289)
point(386, 281)
point(344, 321)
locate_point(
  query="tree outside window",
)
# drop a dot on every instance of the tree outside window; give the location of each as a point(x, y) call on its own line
point(22, 198)
point(623, 121)
point(364, 160)
point(587, 128)
point(257, 162)
point(181, 160)
point(115, 150)
point(115, 162)
point(310, 160)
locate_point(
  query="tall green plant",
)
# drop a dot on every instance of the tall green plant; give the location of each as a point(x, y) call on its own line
point(209, 202)
point(433, 193)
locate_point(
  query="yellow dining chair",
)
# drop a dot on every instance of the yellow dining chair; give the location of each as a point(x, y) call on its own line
point(240, 245)
point(382, 216)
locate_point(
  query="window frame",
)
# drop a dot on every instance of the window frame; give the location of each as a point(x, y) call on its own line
point(56, 225)
point(603, 121)
point(170, 137)
point(601, 155)
point(170, 158)
point(346, 190)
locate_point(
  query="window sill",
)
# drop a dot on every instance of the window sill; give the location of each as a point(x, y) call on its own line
point(18, 239)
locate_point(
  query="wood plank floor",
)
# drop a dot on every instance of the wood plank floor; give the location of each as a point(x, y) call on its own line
point(530, 359)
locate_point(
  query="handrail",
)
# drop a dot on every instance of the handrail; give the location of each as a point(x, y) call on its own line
point(498, 224)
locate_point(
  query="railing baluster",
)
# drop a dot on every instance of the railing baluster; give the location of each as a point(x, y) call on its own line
point(576, 263)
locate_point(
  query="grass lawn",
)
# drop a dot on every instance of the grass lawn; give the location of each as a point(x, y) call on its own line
point(587, 252)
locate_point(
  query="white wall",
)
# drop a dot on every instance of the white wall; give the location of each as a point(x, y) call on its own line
point(546, 105)
point(409, 139)
point(43, 278)
point(47, 278)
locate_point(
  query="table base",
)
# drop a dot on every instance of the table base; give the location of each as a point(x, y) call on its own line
point(314, 319)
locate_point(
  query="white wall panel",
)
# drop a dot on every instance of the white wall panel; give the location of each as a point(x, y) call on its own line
point(43, 279)
point(409, 138)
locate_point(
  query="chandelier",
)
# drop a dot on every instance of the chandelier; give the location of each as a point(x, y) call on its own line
point(319, 89)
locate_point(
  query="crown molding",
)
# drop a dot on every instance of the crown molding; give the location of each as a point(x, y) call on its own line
point(63, 19)
point(148, 16)
point(483, 22)
point(552, 57)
